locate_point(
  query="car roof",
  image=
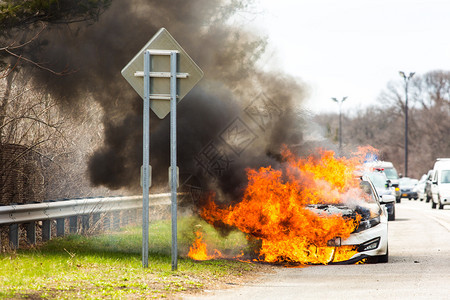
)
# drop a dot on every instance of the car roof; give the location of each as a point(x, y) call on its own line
point(380, 164)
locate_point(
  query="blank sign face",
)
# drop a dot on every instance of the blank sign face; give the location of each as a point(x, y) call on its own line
point(162, 40)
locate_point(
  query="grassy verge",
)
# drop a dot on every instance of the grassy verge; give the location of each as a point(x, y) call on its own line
point(109, 266)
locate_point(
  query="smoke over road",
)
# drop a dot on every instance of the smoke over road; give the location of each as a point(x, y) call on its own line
point(237, 117)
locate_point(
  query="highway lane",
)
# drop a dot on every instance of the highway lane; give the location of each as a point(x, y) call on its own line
point(418, 268)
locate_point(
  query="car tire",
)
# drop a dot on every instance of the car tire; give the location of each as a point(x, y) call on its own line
point(391, 217)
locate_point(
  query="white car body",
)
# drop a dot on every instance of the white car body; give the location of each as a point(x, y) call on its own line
point(388, 168)
point(440, 187)
point(420, 188)
point(375, 233)
point(383, 187)
point(371, 237)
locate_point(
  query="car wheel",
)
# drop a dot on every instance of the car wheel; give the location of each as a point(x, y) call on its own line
point(391, 217)
point(433, 205)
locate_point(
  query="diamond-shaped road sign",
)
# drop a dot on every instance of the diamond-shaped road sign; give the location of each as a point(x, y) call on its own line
point(160, 64)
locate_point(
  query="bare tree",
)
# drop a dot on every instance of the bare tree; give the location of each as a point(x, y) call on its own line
point(28, 121)
point(22, 22)
point(382, 126)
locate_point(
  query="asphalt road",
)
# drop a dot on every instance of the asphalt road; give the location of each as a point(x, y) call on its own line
point(418, 267)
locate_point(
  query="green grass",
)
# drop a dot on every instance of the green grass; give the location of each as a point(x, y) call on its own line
point(110, 266)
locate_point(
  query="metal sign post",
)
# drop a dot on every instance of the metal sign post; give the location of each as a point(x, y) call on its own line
point(161, 98)
point(173, 154)
point(146, 160)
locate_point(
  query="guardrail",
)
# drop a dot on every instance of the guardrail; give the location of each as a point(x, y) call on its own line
point(58, 211)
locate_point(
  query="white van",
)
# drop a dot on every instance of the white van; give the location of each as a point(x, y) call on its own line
point(440, 187)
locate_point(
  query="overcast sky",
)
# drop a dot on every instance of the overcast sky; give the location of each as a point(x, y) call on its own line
point(354, 47)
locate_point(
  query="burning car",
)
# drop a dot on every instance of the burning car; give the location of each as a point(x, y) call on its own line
point(312, 211)
point(370, 237)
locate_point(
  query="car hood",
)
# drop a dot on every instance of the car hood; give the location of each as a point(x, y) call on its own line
point(407, 187)
point(366, 212)
point(344, 210)
point(384, 192)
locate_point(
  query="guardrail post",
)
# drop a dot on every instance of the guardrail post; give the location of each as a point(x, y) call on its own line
point(107, 221)
point(14, 235)
point(85, 223)
point(116, 220)
point(95, 222)
point(46, 230)
point(60, 227)
point(31, 232)
point(73, 224)
point(125, 217)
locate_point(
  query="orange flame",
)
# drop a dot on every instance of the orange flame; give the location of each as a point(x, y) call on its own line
point(273, 209)
point(198, 249)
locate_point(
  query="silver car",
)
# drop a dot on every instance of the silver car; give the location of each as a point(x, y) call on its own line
point(384, 187)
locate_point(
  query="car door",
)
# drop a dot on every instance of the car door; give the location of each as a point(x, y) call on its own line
point(435, 187)
point(428, 184)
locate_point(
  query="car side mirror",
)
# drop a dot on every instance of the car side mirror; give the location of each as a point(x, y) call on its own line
point(388, 183)
point(387, 199)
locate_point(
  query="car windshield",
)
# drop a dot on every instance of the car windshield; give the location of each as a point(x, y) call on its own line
point(378, 180)
point(391, 173)
point(445, 177)
point(423, 178)
point(407, 182)
point(368, 194)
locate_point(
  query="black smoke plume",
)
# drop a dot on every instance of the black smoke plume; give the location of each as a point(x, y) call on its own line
point(237, 117)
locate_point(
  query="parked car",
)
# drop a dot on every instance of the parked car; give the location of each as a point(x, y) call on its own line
point(391, 173)
point(420, 187)
point(406, 187)
point(428, 184)
point(371, 236)
point(384, 187)
point(440, 187)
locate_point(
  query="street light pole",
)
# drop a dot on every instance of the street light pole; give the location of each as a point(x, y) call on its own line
point(340, 121)
point(406, 78)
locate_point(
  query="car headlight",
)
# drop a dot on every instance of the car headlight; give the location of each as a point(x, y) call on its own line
point(369, 245)
point(370, 218)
